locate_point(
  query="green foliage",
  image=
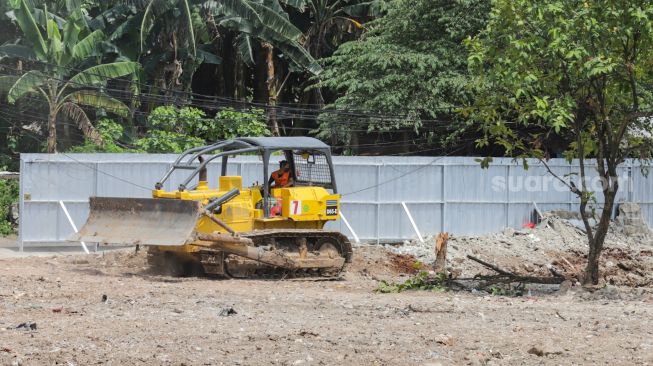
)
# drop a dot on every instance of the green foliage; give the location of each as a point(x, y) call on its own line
point(159, 141)
point(421, 281)
point(63, 45)
point(506, 290)
point(187, 120)
point(8, 196)
point(170, 39)
point(577, 70)
point(336, 21)
point(174, 129)
point(411, 63)
point(111, 132)
point(231, 124)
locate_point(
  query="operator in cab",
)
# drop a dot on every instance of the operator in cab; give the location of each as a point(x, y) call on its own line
point(281, 178)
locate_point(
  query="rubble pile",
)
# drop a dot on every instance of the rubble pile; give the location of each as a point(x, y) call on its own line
point(557, 244)
point(630, 220)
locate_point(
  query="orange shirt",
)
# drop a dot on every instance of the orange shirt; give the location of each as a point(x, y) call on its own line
point(280, 179)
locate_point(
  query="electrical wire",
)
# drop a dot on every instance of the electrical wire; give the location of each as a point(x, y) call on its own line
point(443, 124)
point(402, 175)
point(283, 112)
point(174, 91)
point(387, 145)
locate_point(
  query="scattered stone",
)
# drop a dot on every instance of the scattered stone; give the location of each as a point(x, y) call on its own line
point(541, 353)
point(509, 231)
point(26, 326)
point(625, 266)
point(536, 351)
point(445, 340)
point(566, 286)
point(227, 311)
point(306, 333)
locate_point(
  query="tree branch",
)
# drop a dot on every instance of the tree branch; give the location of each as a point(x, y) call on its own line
point(572, 188)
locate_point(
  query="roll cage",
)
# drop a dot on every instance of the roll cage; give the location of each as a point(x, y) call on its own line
point(309, 158)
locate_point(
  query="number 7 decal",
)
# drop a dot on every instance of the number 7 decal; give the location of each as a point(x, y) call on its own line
point(295, 207)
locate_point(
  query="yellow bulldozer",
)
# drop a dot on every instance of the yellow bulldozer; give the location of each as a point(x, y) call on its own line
point(234, 231)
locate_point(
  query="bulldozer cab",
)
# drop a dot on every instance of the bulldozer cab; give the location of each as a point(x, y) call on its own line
point(309, 159)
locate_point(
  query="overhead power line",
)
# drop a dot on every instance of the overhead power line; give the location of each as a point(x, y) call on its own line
point(284, 111)
point(386, 145)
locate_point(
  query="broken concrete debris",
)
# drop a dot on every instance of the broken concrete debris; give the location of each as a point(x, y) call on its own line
point(558, 245)
point(631, 221)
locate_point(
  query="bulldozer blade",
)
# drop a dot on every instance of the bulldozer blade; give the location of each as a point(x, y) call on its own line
point(140, 221)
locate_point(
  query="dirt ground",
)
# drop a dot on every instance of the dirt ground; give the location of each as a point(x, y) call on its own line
point(109, 309)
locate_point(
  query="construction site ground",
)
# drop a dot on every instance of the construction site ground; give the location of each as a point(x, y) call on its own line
point(111, 309)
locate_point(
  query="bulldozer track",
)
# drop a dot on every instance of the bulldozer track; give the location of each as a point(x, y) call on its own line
point(258, 236)
point(284, 239)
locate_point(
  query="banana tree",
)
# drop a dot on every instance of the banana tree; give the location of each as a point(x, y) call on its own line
point(62, 47)
point(174, 34)
point(267, 23)
point(332, 21)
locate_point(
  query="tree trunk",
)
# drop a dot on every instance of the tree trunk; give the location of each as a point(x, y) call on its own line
point(354, 148)
point(610, 189)
point(52, 132)
point(272, 89)
point(228, 65)
point(239, 79)
point(67, 138)
point(440, 265)
point(591, 276)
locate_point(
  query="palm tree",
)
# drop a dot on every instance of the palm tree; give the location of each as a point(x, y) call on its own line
point(62, 46)
point(268, 23)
